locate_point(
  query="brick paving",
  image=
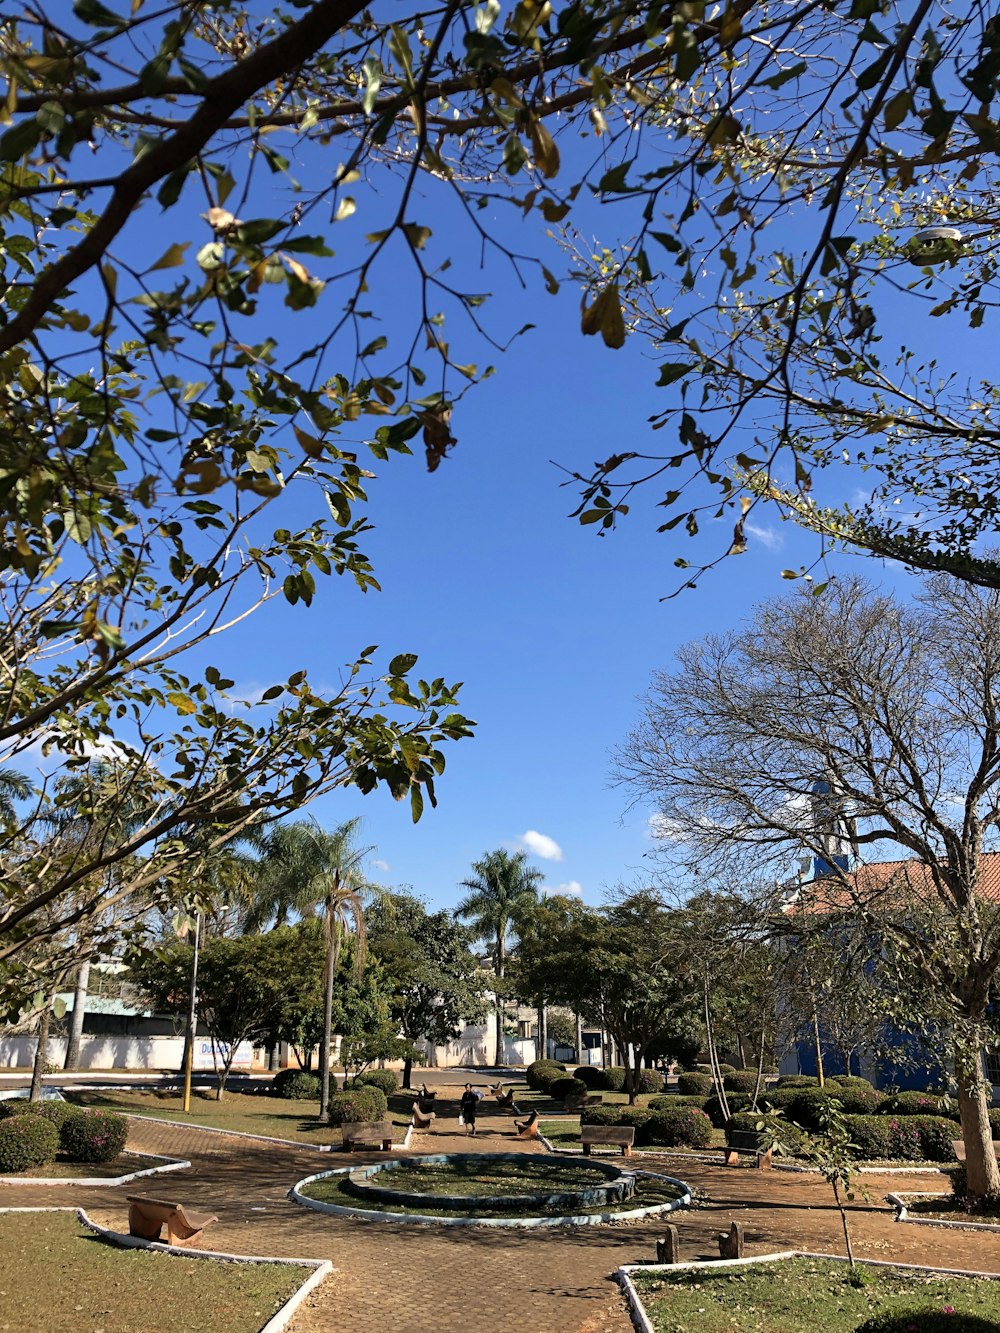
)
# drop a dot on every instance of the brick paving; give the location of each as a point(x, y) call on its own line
point(437, 1280)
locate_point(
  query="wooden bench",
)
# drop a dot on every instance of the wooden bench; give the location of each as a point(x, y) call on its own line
point(959, 1146)
point(422, 1117)
point(148, 1217)
point(619, 1136)
point(746, 1140)
point(367, 1131)
point(528, 1129)
point(578, 1103)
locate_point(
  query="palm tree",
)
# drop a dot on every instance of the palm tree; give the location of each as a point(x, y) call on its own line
point(502, 888)
point(306, 870)
point(14, 786)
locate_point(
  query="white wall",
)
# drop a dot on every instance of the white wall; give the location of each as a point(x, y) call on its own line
point(99, 1052)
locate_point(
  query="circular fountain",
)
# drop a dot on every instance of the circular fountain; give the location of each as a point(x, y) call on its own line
point(491, 1189)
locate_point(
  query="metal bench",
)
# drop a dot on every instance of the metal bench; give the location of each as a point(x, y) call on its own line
point(367, 1131)
point(619, 1136)
point(148, 1217)
point(959, 1147)
point(746, 1140)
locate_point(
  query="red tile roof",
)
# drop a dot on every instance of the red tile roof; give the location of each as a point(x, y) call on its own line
point(893, 879)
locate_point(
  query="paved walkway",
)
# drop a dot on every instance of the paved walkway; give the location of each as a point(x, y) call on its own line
point(436, 1280)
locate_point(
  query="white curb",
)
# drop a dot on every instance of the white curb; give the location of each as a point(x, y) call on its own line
point(898, 1202)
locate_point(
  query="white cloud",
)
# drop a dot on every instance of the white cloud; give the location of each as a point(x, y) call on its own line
point(381, 865)
point(540, 845)
point(571, 889)
point(663, 829)
point(770, 538)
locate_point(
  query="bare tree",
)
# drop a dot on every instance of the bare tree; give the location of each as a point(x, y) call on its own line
point(842, 725)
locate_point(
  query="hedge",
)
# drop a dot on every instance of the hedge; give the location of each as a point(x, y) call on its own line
point(600, 1115)
point(358, 1104)
point(26, 1141)
point(743, 1081)
point(650, 1080)
point(683, 1126)
point(540, 1073)
point(593, 1076)
point(798, 1081)
point(870, 1135)
point(56, 1113)
point(563, 1088)
point(918, 1103)
point(379, 1078)
point(779, 1098)
point(713, 1107)
point(637, 1116)
point(695, 1085)
point(925, 1319)
point(296, 1085)
point(667, 1100)
point(916, 1137)
point(614, 1076)
point(850, 1081)
point(93, 1136)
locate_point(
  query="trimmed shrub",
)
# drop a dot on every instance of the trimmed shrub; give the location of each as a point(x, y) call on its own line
point(914, 1138)
point(925, 1319)
point(93, 1136)
point(562, 1088)
point(713, 1107)
point(850, 1081)
point(727, 1069)
point(779, 1098)
point(358, 1104)
point(668, 1100)
point(746, 1122)
point(695, 1085)
point(540, 1073)
point(798, 1081)
point(297, 1085)
point(599, 1115)
point(640, 1117)
point(56, 1113)
point(870, 1135)
point(804, 1108)
point(26, 1141)
point(593, 1076)
point(614, 1078)
point(743, 1081)
point(650, 1080)
point(917, 1103)
point(379, 1078)
point(680, 1127)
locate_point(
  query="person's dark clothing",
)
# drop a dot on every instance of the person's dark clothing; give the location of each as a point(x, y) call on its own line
point(469, 1104)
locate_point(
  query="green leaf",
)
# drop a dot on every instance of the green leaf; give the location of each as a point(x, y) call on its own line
point(96, 15)
point(402, 663)
point(172, 257)
point(19, 140)
point(416, 802)
point(671, 371)
point(373, 82)
point(258, 230)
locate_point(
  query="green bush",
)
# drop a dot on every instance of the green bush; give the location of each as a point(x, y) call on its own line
point(599, 1115)
point(695, 1085)
point(798, 1081)
point(56, 1113)
point(805, 1107)
point(914, 1138)
point(297, 1085)
point(850, 1081)
point(746, 1122)
point(917, 1103)
point(668, 1100)
point(650, 1080)
point(728, 1069)
point(540, 1073)
point(925, 1319)
point(779, 1098)
point(639, 1117)
point(593, 1076)
point(379, 1078)
point(614, 1077)
point(743, 1081)
point(563, 1088)
point(713, 1107)
point(870, 1135)
point(26, 1141)
point(357, 1104)
point(679, 1127)
point(93, 1136)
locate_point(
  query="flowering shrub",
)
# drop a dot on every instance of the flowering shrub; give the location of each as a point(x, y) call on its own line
point(93, 1136)
point(26, 1141)
point(919, 1103)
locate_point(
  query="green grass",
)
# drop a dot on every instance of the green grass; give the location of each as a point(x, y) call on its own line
point(333, 1190)
point(482, 1176)
point(270, 1116)
point(802, 1296)
point(58, 1277)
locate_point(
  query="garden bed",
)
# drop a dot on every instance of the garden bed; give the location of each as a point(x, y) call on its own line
point(90, 1285)
point(800, 1294)
point(120, 1168)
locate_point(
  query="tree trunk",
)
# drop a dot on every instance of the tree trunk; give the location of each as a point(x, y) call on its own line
point(72, 1060)
point(983, 1173)
point(324, 1048)
point(407, 1071)
point(543, 1037)
point(41, 1051)
point(819, 1049)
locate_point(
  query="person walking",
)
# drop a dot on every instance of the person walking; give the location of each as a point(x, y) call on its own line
point(469, 1105)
